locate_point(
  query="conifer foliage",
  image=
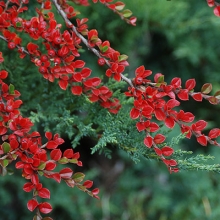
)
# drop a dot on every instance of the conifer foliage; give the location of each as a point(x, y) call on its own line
point(58, 59)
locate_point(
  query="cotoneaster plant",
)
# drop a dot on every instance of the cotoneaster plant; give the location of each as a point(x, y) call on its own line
point(154, 101)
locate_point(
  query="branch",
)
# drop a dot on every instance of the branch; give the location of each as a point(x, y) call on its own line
point(83, 39)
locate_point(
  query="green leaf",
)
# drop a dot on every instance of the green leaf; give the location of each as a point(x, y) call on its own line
point(122, 57)
point(127, 13)
point(78, 177)
point(5, 162)
point(161, 79)
point(6, 147)
point(104, 49)
point(73, 161)
point(11, 89)
point(81, 187)
point(217, 95)
point(206, 88)
point(63, 160)
point(41, 166)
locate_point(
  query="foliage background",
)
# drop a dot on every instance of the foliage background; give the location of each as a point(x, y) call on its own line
point(175, 38)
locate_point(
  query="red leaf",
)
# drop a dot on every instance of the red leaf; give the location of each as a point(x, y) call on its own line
point(148, 141)
point(197, 97)
point(44, 193)
point(154, 127)
point(50, 165)
point(134, 113)
point(66, 173)
point(77, 77)
point(55, 154)
point(32, 204)
point(56, 177)
point(95, 191)
point(86, 72)
point(190, 84)
point(51, 145)
point(45, 207)
point(172, 103)
point(217, 11)
point(28, 187)
point(63, 84)
point(159, 138)
point(76, 90)
point(183, 94)
point(172, 162)
point(48, 135)
point(167, 151)
point(199, 125)
point(3, 74)
point(88, 184)
point(169, 122)
point(202, 140)
point(92, 82)
point(214, 133)
point(78, 64)
point(68, 153)
point(140, 126)
point(158, 151)
point(159, 114)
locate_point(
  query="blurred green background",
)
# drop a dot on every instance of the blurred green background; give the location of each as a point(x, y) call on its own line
point(177, 38)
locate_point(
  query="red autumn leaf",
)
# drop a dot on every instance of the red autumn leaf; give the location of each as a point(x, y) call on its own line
point(176, 82)
point(172, 163)
point(158, 151)
point(55, 154)
point(202, 140)
point(51, 145)
point(44, 193)
point(169, 122)
point(140, 126)
point(197, 97)
point(28, 187)
point(154, 127)
point(56, 177)
point(217, 11)
point(172, 103)
point(183, 94)
point(19, 165)
point(88, 184)
point(77, 77)
point(199, 125)
point(86, 72)
point(214, 133)
point(50, 165)
point(3, 74)
point(32, 204)
point(48, 135)
point(45, 207)
point(92, 82)
point(148, 141)
point(66, 173)
point(159, 114)
point(159, 138)
point(167, 151)
point(76, 90)
point(95, 191)
point(190, 84)
point(78, 64)
point(134, 113)
point(63, 84)
point(68, 153)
